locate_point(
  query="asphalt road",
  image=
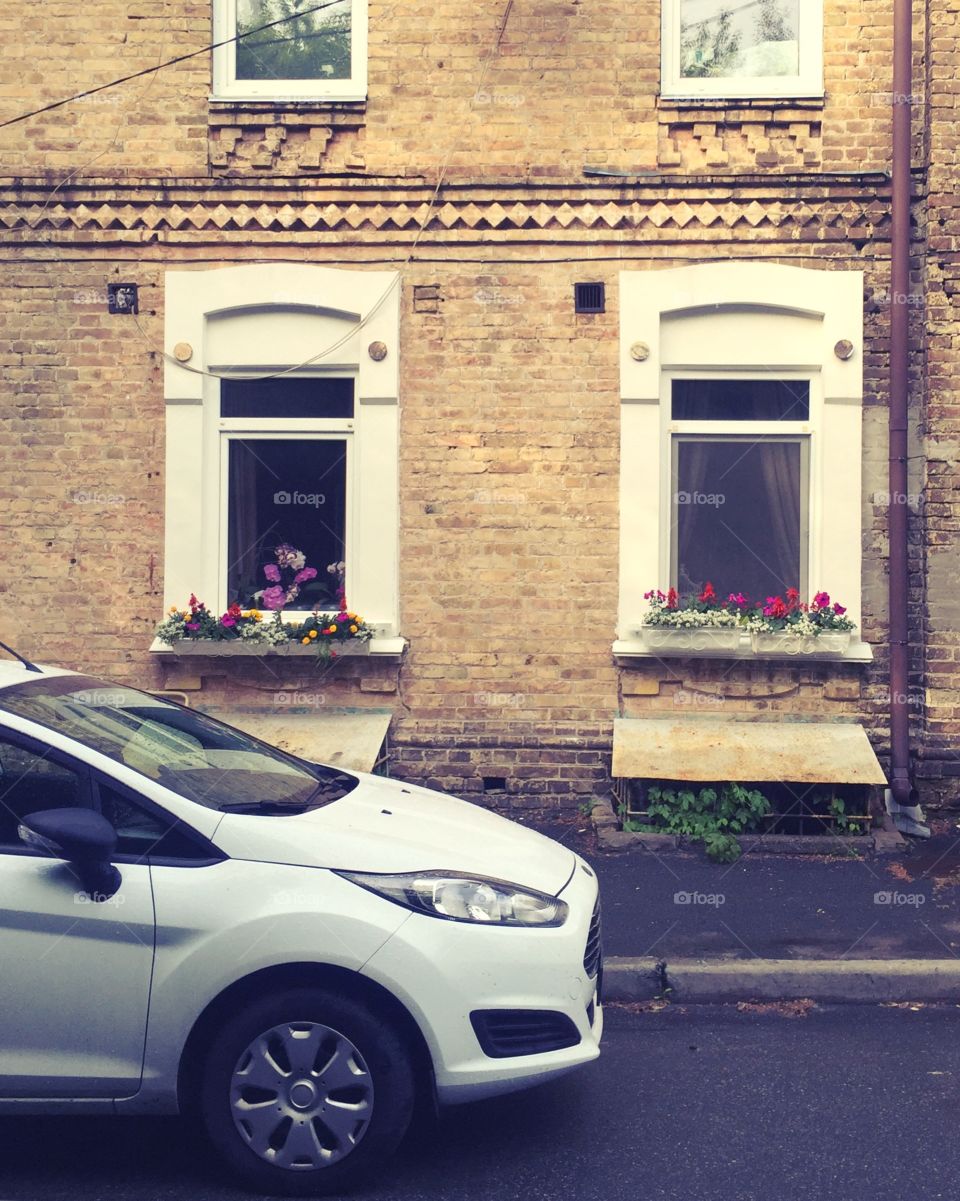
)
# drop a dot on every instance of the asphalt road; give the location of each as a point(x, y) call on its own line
point(695, 1105)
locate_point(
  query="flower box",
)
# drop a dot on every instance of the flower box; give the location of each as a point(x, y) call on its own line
point(242, 646)
point(694, 640)
point(778, 642)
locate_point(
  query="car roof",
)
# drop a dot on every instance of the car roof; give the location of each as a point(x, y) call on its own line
point(12, 672)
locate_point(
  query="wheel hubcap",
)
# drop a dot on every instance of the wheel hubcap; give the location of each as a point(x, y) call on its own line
point(301, 1096)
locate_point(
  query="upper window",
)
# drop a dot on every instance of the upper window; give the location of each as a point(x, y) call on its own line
point(290, 49)
point(719, 49)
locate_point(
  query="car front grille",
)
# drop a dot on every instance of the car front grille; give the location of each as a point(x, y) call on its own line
point(503, 1033)
point(591, 956)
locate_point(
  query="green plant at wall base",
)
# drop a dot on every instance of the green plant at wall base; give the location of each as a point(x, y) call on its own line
point(842, 823)
point(713, 815)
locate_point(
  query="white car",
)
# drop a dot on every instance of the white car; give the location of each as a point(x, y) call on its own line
point(193, 921)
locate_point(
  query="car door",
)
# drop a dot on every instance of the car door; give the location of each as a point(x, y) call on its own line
point(74, 974)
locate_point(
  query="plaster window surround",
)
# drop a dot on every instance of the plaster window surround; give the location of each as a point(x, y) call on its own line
point(695, 342)
point(313, 450)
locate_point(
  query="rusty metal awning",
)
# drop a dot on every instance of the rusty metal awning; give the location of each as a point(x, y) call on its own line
point(356, 741)
point(748, 751)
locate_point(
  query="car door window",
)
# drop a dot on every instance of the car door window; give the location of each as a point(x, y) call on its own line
point(146, 831)
point(32, 779)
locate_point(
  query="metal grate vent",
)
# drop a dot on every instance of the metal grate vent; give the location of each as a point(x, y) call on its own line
point(588, 298)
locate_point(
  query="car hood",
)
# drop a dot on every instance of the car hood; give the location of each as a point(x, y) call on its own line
point(386, 826)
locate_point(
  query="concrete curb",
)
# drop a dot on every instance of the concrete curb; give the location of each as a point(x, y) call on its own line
point(867, 981)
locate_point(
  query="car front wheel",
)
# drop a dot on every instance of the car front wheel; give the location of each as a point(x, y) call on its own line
point(306, 1092)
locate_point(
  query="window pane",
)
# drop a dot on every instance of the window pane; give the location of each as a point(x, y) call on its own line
point(314, 46)
point(286, 491)
point(286, 398)
point(30, 782)
point(738, 516)
point(740, 400)
point(722, 39)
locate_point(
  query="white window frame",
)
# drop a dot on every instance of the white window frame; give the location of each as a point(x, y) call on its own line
point(240, 429)
point(758, 431)
point(347, 311)
point(226, 86)
point(806, 84)
point(807, 312)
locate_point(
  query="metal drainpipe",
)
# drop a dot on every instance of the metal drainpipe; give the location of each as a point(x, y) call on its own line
point(900, 783)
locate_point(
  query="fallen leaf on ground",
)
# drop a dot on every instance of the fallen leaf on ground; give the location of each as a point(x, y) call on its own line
point(786, 1009)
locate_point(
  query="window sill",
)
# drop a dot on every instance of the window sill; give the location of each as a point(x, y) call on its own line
point(347, 104)
point(376, 648)
point(634, 648)
point(814, 102)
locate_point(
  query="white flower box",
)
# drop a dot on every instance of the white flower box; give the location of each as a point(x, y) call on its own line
point(244, 646)
point(778, 642)
point(693, 640)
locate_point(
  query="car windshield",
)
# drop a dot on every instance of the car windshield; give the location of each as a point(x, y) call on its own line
point(185, 751)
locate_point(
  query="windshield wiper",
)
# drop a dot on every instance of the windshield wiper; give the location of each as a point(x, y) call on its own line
point(273, 807)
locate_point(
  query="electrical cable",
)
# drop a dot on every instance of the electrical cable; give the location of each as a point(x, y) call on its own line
point(394, 283)
point(171, 62)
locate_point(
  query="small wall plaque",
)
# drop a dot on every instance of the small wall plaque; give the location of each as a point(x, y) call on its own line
point(843, 350)
point(183, 352)
point(377, 351)
point(640, 352)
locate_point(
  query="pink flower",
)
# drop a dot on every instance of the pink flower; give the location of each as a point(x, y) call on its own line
point(272, 572)
point(192, 626)
point(821, 600)
point(274, 598)
point(839, 610)
point(228, 621)
point(737, 598)
point(308, 573)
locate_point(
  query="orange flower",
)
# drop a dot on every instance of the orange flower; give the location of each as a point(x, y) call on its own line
point(305, 641)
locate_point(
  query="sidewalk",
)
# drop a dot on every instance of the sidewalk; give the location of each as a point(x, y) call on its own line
point(778, 927)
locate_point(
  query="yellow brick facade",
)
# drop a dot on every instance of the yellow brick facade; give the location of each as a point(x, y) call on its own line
point(509, 462)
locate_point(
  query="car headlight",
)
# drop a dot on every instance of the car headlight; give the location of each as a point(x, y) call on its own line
point(462, 898)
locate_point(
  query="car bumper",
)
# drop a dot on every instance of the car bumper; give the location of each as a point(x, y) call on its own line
point(445, 971)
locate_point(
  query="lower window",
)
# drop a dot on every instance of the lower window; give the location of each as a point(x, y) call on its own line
point(740, 500)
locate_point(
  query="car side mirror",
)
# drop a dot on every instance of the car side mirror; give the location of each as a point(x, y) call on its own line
point(80, 837)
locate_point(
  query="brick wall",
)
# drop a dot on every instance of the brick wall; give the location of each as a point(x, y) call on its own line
point(510, 406)
point(574, 83)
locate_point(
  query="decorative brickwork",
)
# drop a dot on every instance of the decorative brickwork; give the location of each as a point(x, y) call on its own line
point(257, 139)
